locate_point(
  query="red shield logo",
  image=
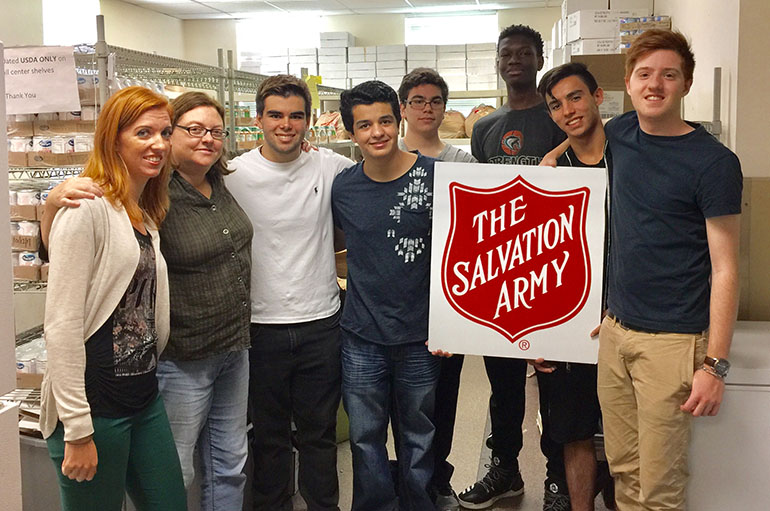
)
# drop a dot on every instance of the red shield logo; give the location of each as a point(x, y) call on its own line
point(516, 258)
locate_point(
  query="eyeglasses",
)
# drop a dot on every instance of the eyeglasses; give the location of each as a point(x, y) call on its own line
point(419, 103)
point(200, 132)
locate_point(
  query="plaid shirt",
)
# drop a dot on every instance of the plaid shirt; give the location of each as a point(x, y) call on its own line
point(207, 246)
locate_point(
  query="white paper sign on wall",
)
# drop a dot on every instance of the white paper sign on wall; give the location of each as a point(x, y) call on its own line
point(517, 260)
point(40, 79)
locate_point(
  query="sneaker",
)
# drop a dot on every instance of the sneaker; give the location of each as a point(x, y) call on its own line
point(554, 499)
point(446, 500)
point(499, 483)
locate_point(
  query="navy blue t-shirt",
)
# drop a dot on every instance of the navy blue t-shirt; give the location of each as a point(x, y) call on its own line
point(663, 190)
point(387, 230)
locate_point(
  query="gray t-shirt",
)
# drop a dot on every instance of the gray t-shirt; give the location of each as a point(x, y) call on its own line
point(449, 153)
point(520, 137)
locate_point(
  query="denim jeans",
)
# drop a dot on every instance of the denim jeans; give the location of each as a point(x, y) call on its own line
point(206, 403)
point(374, 377)
point(295, 374)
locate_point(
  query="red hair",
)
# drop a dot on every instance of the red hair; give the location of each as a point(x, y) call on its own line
point(656, 39)
point(107, 169)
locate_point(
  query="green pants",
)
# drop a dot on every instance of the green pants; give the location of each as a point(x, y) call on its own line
point(136, 455)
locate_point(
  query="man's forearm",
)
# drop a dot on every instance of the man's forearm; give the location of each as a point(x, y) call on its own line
point(723, 312)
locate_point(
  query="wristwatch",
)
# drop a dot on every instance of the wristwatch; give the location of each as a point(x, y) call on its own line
point(721, 366)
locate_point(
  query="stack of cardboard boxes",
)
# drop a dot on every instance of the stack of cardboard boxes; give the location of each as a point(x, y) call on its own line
point(333, 58)
point(594, 32)
point(482, 66)
point(391, 64)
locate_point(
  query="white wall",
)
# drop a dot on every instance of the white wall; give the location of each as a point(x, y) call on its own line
point(21, 22)
point(203, 37)
point(141, 29)
point(369, 29)
point(701, 21)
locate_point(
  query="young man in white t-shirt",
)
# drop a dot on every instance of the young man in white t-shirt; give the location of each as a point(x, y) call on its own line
point(295, 351)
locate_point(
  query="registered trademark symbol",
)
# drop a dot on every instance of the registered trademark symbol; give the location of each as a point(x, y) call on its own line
point(524, 345)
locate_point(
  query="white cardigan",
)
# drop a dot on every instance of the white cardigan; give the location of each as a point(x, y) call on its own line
point(94, 254)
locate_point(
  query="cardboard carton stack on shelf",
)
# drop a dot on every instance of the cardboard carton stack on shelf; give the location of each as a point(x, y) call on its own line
point(391, 64)
point(451, 64)
point(26, 207)
point(303, 58)
point(631, 28)
point(275, 61)
point(482, 66)
point(333, 58)
point(362, 64)
point(589, 31)
point(47, 141)
point(421, 55)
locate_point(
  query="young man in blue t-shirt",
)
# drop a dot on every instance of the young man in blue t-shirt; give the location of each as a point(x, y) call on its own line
point(383, 205)
point(673, 277)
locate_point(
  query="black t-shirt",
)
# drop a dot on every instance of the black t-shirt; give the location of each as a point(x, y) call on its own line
point(570, 159)
point(663, 190)
point(520, 137)
point(121, 357)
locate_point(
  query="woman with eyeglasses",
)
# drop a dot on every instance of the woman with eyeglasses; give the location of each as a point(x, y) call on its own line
point(203, 374)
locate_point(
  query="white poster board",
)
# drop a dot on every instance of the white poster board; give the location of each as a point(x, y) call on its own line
point(517, 260)
point(40, 79)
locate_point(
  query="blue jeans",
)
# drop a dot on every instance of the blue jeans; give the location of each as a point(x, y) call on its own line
point(206, 403)
point(374, 376)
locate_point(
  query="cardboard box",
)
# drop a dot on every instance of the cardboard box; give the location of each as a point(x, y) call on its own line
point(362, 66)
point(44, 272)
point(344, 39)
point(26, 272)
point(597, 24)
point(62, 127)
point(418, 51)
point(442, 49)
point(595, 46)
point(333, 52)
point(481, 54)
point(455, 55)
point(450, 65)
point(609, 71)
point(481, 47)
point(632, 5)
point(19, 129)
point(40, 210)
point(483, 66)
point(332, 59)
point(391, 52)
point(326, 68)
point(25, 243)
point(28, 380)
point(394, 66)
point(56, 160)
point(414, 64)
point(334, 75)
point(23, 213)
point(17, 159)
point(356, 57)
point(570, 6)
point(303, 59)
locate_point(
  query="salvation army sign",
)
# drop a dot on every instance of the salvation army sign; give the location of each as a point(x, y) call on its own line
point(517, 260)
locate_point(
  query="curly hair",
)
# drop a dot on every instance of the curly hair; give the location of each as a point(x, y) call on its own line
point(524, 31)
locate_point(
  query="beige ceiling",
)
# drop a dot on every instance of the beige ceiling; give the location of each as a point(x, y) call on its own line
point(205, 9)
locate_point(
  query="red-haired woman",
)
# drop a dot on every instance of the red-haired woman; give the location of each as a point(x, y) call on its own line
point(107, 319)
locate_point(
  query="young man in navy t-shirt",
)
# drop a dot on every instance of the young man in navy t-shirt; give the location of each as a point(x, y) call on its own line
point(384, 205)
point(673, 277)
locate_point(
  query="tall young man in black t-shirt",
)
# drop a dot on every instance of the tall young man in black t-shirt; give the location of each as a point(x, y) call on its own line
point(519, 132)
point(573, 98)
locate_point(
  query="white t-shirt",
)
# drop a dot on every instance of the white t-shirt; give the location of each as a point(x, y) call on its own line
point(293, 274)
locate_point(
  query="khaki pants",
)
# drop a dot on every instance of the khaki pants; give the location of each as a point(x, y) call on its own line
point(643, 378)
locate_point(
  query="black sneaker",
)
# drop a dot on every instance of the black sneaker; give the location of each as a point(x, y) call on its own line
point(499, 483)
point(555, 498)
